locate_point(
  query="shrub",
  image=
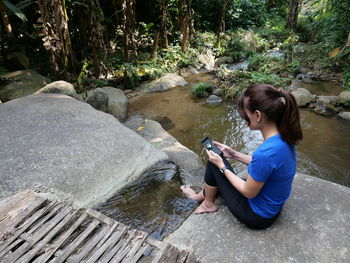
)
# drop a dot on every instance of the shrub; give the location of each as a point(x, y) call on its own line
point(201, 90)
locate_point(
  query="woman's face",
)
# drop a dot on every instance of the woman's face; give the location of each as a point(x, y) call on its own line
point(254, 118)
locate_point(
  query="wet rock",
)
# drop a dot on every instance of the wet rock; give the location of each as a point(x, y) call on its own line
point(302, 96)
point(325, 105)
point(345, 115)
point(164, 83)
point(117, 103)
point(327, 99)
point(224, 60)
point(165, 122)
point(65, 144)
point(59, 87)
point(185, 72)
point(218, 92)
point(207, 59)
point(22, 83)
point(186, 159)
point(296, 84)
point(213, 99)
point(98, 98)
point(344, 98)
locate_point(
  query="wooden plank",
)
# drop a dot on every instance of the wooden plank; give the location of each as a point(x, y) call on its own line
point(159, 253)
point(115, 237)
point(39, 234)
point(53, 207)
point(28, 256)
point(139, 254)
point(3, 253)
point(136, 244)
point(170, 254)
point(22, 228)
point(154, 242)
point(88, 246)
point(76, 242)
point(55, 246)
point(120, 255)
point(20, 211)
point(191, 258)
point(182, 256)
point(109, 221)
point(111, 229)
point(117, 248)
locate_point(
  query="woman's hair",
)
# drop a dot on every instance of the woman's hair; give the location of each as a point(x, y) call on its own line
point(277, 105)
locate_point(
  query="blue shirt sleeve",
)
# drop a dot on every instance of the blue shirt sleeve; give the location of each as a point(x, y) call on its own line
point(261, 167)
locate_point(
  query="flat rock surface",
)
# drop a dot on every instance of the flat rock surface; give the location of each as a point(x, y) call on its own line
point(313, 227)
point(59, 142)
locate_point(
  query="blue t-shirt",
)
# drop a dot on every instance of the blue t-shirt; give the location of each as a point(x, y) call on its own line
point(274, 163)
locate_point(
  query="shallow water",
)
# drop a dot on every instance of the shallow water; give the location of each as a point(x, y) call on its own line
point(154, 203)
point(324, 152)
point(324, 88)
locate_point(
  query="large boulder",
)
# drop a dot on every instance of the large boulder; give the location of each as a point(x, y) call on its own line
point(22, 83)
point(207, 59)
point(65, 144)
point(153, 132)
point(164, 83)
point(59, 87)
point(98, 98)
point(344, 98)
point(313, 227)
point(117, 103)
point(302, 96)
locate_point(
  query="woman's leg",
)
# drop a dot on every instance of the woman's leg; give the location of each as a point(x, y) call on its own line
point(208, 205)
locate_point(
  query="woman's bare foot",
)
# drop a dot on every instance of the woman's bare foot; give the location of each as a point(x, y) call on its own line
point(204, 207)
point(190, 193)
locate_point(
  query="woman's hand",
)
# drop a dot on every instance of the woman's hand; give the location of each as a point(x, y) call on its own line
point(227, 151)
point(215, 159)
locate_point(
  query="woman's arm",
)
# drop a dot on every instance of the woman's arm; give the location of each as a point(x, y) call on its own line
point(232, 154)
point(249, 188)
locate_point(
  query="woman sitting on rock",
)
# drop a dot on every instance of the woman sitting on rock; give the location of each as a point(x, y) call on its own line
point(258, 200)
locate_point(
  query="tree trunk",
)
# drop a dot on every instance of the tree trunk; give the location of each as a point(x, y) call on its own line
point(155, 45)
point(186, 24)
point(293, 14)
point(222, 21)
point(129, 20)
point(57, 39)
point(163, 21)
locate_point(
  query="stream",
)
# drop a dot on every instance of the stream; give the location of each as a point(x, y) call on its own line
point(323, 153)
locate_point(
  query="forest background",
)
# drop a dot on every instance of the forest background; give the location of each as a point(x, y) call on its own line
point(96, 43)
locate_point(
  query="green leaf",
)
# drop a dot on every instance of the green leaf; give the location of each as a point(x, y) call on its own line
point(16, 11)
point(23, 4)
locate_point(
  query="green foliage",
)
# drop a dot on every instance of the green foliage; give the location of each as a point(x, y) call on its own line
point(346, 79)
point(200, 90)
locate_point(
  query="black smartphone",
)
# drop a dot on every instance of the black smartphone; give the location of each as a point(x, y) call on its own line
point(210, 146)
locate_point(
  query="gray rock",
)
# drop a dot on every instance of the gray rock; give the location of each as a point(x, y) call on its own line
point(153, 132)
point(344, 98)
point(65, 144)
point(345, 115)
point(296, 84)
point(185, 72)
point(17, 60)
point(98, 98)
point(164, 83)
point(218, 92)
point(59, 87)
point(327, 99)
point(302, 96)
point(22, 83)
point(311, 228)
point(117, 103)
point(208, 60)
point(224, 60)
point(213, 99)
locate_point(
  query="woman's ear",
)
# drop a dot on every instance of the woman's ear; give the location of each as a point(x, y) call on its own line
point(258, 115)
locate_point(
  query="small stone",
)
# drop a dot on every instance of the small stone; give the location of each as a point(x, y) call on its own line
point(302, 96)
point(213, 99)
point(344, 98)
point(345, 115)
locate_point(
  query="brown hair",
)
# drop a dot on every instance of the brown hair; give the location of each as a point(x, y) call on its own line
point(277, 105)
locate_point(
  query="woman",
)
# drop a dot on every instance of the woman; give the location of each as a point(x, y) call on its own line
point(257, 201)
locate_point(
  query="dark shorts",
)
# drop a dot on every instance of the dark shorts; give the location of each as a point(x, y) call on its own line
point(236, 202)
